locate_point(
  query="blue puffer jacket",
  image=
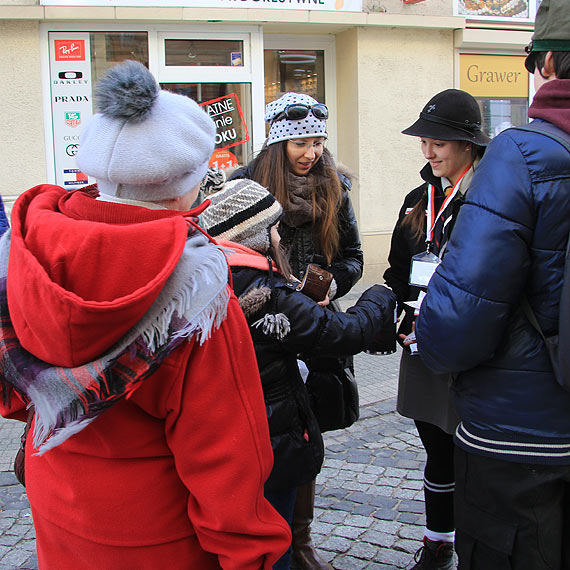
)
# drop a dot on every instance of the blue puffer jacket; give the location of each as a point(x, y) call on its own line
point(509, 241)
point(4, 225)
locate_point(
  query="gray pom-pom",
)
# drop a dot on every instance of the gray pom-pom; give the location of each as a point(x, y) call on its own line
point(127, 91)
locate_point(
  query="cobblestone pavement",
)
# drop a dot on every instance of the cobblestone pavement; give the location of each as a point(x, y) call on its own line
point(369, 504)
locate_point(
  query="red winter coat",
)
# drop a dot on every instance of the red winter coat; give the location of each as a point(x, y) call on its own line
point(171, 477)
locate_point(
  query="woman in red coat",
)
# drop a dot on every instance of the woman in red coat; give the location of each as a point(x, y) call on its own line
point(150, 445)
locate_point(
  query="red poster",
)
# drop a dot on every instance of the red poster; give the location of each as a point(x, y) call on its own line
point(231, 129)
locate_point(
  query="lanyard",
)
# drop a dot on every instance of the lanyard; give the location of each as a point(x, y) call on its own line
point(431, 217)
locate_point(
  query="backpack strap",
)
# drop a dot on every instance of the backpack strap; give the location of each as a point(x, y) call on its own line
point(559, 358)
point(548, 130)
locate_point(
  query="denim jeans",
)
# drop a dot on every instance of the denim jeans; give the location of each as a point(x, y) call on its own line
point(283, 502)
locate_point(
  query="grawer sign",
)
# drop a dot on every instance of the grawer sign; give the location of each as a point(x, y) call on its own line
point(332, 5)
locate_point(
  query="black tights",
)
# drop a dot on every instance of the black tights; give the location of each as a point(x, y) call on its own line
point(439, 478)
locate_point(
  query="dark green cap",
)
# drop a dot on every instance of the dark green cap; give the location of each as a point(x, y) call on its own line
point(551, 30)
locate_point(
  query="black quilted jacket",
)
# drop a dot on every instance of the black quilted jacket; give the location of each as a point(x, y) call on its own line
point(295, 435)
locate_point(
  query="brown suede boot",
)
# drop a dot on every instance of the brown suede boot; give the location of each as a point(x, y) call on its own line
point(305, 556)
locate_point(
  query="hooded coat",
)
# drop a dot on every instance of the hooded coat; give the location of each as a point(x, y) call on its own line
point(509, 240)
point(172, 475)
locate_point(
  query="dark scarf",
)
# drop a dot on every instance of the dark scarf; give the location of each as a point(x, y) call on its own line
point(191, 305)
point(299, 207)
point(552, 103)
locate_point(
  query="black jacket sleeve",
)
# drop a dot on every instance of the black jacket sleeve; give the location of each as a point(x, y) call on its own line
point(319, 331)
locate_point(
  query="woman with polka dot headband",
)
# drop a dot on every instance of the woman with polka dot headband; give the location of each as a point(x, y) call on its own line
point(319, 226)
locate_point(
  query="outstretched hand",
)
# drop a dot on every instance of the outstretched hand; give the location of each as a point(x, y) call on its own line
point(410, 338)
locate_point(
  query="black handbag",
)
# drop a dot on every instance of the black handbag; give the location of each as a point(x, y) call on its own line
point(332, 389)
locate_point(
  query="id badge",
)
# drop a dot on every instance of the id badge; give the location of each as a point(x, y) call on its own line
point(423, 267)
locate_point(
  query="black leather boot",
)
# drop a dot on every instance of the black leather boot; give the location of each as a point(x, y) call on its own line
point(434, 555)
point(305, 556)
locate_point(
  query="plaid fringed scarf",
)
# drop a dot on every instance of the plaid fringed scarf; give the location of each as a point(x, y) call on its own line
point(192, 304)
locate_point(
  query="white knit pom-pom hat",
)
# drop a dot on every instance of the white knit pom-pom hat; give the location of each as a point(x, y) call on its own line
point(144, 143)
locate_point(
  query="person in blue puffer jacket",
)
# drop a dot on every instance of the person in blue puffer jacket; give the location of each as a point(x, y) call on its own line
point(512, 495)
point(4, 224)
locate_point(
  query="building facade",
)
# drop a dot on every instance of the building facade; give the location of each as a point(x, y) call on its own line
point(373, 62)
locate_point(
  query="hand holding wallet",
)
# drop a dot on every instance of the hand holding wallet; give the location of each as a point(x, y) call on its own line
point(316, 282)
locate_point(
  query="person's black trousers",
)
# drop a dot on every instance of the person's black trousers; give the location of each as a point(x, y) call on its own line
point(511, 516)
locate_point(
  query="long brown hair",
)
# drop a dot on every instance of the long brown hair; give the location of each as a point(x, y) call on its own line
point(279, 257)
point(271, 169)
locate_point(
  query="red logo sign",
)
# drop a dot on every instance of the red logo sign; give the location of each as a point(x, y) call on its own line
point(69, 50)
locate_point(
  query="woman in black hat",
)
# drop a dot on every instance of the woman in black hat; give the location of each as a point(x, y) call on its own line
point(449, 128)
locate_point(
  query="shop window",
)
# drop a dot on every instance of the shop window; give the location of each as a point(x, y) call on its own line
point(226, 104)
point(204, 53)
point(187, 66)
point(500, 114)
point(301, 71)
point(110, 48)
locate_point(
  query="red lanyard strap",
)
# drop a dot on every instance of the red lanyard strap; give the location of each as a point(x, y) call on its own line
point(431, 216)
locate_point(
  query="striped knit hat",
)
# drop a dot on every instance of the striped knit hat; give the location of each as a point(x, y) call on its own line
point(243, 212)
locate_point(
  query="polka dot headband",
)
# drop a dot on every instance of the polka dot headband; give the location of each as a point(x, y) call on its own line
point(285, 129)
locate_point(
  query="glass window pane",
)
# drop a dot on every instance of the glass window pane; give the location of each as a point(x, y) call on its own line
point(211, 53)
point(110, 48)
point(500, 114)
point(229, 105)
point(301, 71)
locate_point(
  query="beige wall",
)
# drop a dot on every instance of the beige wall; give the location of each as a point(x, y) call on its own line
point(22, 160)
point(399, 70)
point(347, 106)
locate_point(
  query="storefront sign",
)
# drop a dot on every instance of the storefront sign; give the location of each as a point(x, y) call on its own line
point(231, 129)
point(332, 5)
point(521, 10)
point(70, 83)
point(498, 76)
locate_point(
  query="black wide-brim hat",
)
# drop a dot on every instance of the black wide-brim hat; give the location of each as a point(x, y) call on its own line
point(452, 115)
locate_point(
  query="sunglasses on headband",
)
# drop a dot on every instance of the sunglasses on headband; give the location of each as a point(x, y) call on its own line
point(297, 111)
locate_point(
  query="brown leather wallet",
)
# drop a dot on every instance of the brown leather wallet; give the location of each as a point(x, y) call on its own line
point(316, 282)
